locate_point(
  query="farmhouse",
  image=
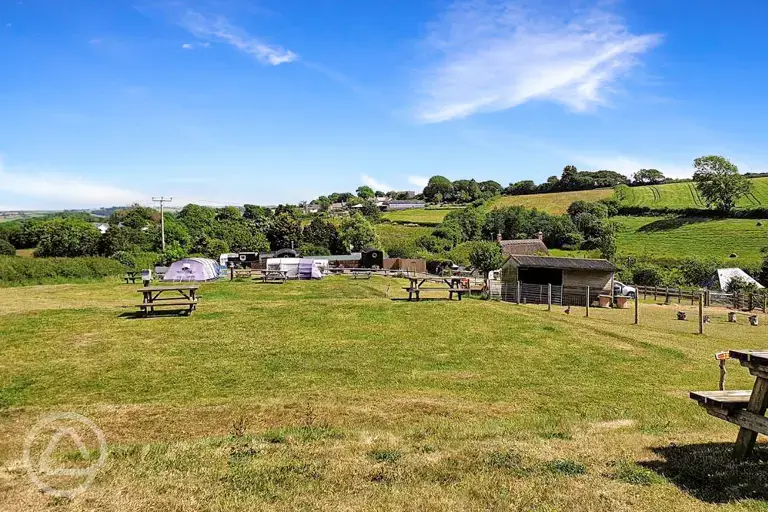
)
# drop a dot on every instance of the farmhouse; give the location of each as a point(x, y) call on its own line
point(569, 278)
point(530, 247)
point(405, 204)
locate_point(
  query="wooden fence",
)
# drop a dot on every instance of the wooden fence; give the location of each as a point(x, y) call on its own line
point(670, 295)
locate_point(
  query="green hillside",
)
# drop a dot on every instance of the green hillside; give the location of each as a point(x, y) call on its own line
point(685, 195)
point(423, 216)
point(681, 237)
point(556, 203)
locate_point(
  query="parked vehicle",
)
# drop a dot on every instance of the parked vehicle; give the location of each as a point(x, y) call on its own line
point(620, 288)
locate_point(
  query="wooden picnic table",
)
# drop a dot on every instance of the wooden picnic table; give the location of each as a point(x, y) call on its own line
point(274, 276)
point(152, 297)
point(132, 276)
point(456, 285)
point(361, 273)
point(745, 408)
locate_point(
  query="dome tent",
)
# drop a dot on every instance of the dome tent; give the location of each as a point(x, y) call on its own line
point(193, 269)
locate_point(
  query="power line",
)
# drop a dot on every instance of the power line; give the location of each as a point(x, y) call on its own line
point(162, 200)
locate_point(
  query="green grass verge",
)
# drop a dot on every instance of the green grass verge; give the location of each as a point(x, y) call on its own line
point(422, 216)
point(556, 203)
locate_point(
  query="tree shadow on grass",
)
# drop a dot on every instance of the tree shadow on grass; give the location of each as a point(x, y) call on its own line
point(709, 473)
point(670, 223)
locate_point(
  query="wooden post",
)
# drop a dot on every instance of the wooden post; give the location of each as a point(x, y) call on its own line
point(232, 273)
point(666, 295)
point(655, 289)
point(518, 292)
point(723, 373)
point(701, 313)
point(765, 304)
point(549, 296)
point(588, 301)
point(637, 309)
point(679, 295)
point(645, 292)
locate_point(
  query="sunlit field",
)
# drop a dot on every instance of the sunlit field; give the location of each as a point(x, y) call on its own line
point(330, 395)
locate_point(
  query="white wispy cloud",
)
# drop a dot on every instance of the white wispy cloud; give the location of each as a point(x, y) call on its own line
point(218, 28)
point(63, 191)
point(192, 46)
point(375, 184)
point(496, 55)
point(418, 181)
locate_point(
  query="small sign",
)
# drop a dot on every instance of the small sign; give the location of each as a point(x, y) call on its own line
point(722, 356)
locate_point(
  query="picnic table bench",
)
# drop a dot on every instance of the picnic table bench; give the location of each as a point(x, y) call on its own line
point(152, 298)
point(132, 276)
point(456, 285)
point(745, 408)
point(361, 273)
point(274, 276)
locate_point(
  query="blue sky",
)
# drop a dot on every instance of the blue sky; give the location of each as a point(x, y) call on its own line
point(234, 101)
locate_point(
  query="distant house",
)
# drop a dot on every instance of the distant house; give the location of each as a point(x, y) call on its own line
point(312, 208)
point(336, 207)
point(101, 226)
point(529, 247)
point(569, 278)
point(404, 204)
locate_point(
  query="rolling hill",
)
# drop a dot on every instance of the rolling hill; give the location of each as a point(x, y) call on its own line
point(685, 195)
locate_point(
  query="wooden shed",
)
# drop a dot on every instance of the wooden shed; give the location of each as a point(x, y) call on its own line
point(569, 278)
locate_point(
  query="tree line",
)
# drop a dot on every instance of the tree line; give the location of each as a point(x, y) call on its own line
point(193, 230)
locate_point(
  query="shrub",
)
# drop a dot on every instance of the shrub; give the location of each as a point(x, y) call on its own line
point(147, 260)
point(314, 250)
point(6, 248)
point(125, 258)
point(647, 274)
point(401, 249)
point(699, 272)
point(40, 270)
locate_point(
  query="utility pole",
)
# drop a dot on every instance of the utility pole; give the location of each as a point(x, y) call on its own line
point(162, 200)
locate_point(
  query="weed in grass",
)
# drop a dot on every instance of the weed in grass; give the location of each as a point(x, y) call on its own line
point(14, 394)
point(566, 467)
point(631, 473)
point(385, 456)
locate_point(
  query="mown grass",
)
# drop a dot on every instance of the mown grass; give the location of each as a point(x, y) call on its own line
point(555, 203)
point(685, 195)
point(422, 216)
point(329, 395)
point(685, 237)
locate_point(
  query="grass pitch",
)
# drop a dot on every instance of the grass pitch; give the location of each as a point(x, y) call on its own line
point(329, 395)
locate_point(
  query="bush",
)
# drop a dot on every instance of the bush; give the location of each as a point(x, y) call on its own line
point(147, 260)
point(314, 250)
point(647, 274)
point(125, 258)
point(401, 249)
point(6, 248)
point(41, 270)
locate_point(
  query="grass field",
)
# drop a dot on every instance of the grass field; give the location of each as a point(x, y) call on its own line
point(555, 203)
point(679, 237)
point(328, 395)
point(423, 216)
point(685, 195)
point(390, 234)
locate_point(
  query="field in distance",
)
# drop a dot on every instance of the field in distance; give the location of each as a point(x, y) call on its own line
point(327, 395)
point(422, 216)
point(685, 195)
point(686, 237)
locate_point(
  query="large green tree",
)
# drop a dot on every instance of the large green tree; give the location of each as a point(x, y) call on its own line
point(365, 192)
point(719, 182)
point(649, 177)
point(438, 189)
point(68, 238)
point(486, 257)
point(357, 233)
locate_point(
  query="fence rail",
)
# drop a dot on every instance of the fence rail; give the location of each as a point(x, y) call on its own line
point(739, 301)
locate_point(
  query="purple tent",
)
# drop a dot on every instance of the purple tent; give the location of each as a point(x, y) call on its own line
point(193, 269)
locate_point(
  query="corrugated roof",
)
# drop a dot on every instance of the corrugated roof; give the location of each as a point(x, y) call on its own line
point(529, 247)
point(565, 263)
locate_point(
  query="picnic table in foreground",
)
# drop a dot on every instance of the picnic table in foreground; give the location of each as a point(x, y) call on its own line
point(745, 408)
point(184, 296)
point(274, 276)
point(456, 285)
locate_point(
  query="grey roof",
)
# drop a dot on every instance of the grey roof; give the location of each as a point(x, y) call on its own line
point(530, 247)
point(563, 263)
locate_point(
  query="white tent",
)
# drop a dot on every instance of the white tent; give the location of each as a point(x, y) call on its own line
point(192, 269)
point(299, 268)
point(725, 275)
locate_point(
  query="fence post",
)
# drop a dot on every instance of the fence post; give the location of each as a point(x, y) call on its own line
point(666, 295)
point(655, 289)
point(549, 296)
point(679, 295)
point(587, 311)
point(637, 309)
point(518, 293)
point(765, 303)
point(701, 313)
point(645, 292)
point(232, 273)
